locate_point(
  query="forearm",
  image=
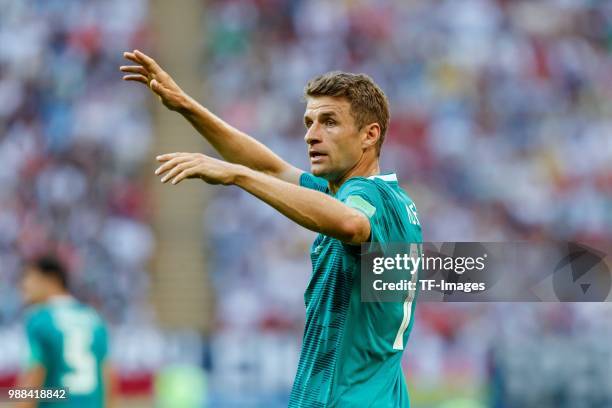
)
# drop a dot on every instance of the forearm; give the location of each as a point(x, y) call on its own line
point(311, 209)
point(232, 144)
point(109, 385)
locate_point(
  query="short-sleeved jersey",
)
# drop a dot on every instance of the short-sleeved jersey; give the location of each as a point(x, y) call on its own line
point(351, 350)
point(69, 340)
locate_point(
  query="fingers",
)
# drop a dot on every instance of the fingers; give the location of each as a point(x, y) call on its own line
point(177, 169)
point(137, 72)
point(133, 69)
point(171, 164)
point(148, 62)
point(181, 171)
point(187, 173)
point(179, 166)
point(170, 156)
point(137, 78)
point(130, 56)
point(141, 58)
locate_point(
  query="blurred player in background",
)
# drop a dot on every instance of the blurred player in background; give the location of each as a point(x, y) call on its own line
point(351, 350)
point(67, 340)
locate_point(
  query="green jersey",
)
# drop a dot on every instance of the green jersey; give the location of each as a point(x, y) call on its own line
point(69, 340)
point(351, 351)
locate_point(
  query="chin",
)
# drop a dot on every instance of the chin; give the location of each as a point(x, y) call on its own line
point(318, 171)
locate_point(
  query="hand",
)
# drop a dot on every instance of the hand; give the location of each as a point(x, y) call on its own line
point(180, 166)
point(150, 73)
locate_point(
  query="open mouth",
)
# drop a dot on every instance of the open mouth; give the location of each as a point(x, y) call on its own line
point(314, 155)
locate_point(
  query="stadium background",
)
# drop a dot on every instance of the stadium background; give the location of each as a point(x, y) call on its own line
point(501, 130)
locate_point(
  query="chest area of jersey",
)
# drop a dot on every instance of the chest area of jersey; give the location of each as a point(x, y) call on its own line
point(334, 267)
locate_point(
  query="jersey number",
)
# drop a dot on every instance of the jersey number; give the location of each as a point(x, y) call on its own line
point(412, 214)
point(77, 352)
point(398, 344)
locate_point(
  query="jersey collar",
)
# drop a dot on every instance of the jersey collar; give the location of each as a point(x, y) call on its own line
point(60, 299)
point(392, 177)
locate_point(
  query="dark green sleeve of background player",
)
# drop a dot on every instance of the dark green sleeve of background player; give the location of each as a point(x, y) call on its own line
point(37, 327)
point(101, 342)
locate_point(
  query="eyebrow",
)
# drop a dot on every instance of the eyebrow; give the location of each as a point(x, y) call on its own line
point(323, 115)
point(328, 114)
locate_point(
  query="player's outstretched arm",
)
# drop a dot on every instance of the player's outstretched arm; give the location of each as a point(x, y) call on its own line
point(232, 144)
point(309, 208)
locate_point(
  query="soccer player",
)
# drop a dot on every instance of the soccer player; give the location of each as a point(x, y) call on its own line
point(351, 349)
point(67, 340)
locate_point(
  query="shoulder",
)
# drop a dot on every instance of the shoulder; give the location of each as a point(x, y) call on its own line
point(98, 322)
point(37, 313)
point(36, 317)
point(361, 186)
point(364, 195)
point(90, 313)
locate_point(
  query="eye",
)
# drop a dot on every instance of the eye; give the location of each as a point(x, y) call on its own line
point(308, 124)
point(330, 122)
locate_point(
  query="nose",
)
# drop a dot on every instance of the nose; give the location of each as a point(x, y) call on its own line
point(312, 135)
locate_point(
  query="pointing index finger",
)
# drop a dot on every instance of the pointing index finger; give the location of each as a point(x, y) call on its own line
point(165, 157)
point(170, 156)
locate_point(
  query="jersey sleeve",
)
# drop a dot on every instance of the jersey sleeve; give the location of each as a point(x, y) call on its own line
point(314, 183)
point(35, 333)
point(363, 195)
point(102, 334)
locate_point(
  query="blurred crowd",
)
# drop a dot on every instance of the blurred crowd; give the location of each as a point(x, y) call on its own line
point(72, 143)
point(73, 140)
point(501, 130)
point(500, 119)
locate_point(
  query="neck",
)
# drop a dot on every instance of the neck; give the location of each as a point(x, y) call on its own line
point(56, 293)
point(361, 169)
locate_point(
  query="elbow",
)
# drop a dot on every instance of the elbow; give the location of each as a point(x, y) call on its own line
point(355, 229)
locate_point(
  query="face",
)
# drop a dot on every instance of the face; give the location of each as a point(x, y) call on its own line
point(33, 286)
point(335, 144)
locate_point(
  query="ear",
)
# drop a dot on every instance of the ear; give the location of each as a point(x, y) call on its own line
point(370, 135)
